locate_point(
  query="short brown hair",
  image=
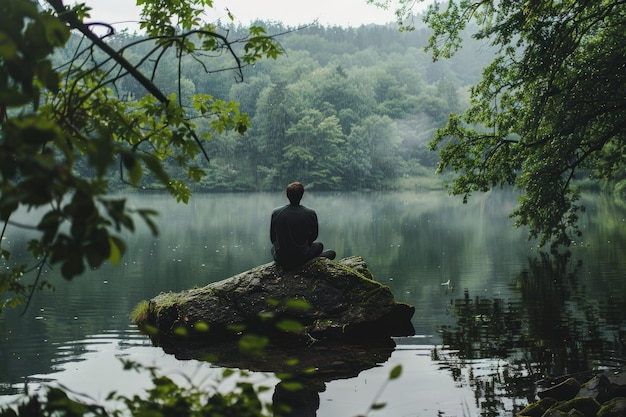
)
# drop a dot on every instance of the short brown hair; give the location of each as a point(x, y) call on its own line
point(294, 192)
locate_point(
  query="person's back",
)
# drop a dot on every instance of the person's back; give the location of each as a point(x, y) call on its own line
point(293, 230)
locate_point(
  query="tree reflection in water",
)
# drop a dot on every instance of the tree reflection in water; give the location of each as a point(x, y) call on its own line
point(504, 349)
point(303, 371)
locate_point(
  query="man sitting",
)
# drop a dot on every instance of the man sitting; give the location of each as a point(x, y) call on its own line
point(293, 231)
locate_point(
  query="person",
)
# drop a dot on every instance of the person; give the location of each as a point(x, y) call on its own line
point(293, 230)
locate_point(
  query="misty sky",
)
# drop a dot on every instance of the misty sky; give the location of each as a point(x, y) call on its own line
point(290, 12)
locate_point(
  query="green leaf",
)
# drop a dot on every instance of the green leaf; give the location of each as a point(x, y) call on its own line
point(133, 167)
point(117, 249)
point(57, 32)
point(252, 345)
point(290, 326)
point(100, 151)
point(8, 205)
point(96, 254)
point(48, 77)
point(146, 215)
point(180, 331)
point(201, 326)
point(291, 385)
point(266, 315)
point(150, 330)
point(195, 174)
point(36, 248)
point(155, 166)
point(273, 302)
point(116, 209)
point(395, 372)
point(8, 48)
point(298, 304)
point(236, 328)
point(179, 190)
point(73, 266)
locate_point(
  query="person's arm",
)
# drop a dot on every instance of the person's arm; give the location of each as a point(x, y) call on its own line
point(314, 227)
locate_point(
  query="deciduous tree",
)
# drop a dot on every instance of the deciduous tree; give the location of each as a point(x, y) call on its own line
point(56, 119)
point(550, 109)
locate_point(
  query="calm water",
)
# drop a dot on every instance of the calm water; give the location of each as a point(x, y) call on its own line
point(493, 316)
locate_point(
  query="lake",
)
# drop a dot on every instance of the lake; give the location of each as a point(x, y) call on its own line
point(494, 316)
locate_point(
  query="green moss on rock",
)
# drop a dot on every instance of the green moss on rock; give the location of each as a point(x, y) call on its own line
point(616, 407)
point(341, 303)
point(538, 408)
point(588, 406)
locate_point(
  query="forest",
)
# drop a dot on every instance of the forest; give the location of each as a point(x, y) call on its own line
point(341, 109)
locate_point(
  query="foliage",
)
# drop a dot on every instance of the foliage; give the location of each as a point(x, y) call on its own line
point(65, 127)
point(349, 76)
point(346, 109)
point(549, 109)
point(164, 398)
point(77, 107)
point(332, 87)
point(395, 373)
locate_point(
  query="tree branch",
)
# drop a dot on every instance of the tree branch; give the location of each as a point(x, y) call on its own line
point(73, 21)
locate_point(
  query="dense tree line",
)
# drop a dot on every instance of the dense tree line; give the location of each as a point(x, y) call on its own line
point(342, 109)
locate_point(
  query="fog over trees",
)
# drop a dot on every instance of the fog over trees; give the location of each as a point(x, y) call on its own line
point(342, 109)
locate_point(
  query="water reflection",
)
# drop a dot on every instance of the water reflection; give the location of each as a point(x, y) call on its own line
point(553, 328)
point(507, 318)
point(309, 368)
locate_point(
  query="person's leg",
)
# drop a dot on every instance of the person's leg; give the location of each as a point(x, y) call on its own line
point(317, 249)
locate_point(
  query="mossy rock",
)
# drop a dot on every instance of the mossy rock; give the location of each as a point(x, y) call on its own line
point(538, 408)
point(615, 407)
point(566, 390)
point(321, 300)
point(587, 406)
point(598, 387)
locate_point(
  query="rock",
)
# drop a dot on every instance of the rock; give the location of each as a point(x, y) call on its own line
point(566, 390)
point(601, 396)
point(617, 378)
point(598, 387)
point(616, 407)
point(584, 406)
point(538, 408)
point(321, 300)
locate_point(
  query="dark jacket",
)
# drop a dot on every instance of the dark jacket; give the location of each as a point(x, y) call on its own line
point(292, 231)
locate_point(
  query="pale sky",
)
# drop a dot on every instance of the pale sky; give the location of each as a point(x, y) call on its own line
point(290, 12)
